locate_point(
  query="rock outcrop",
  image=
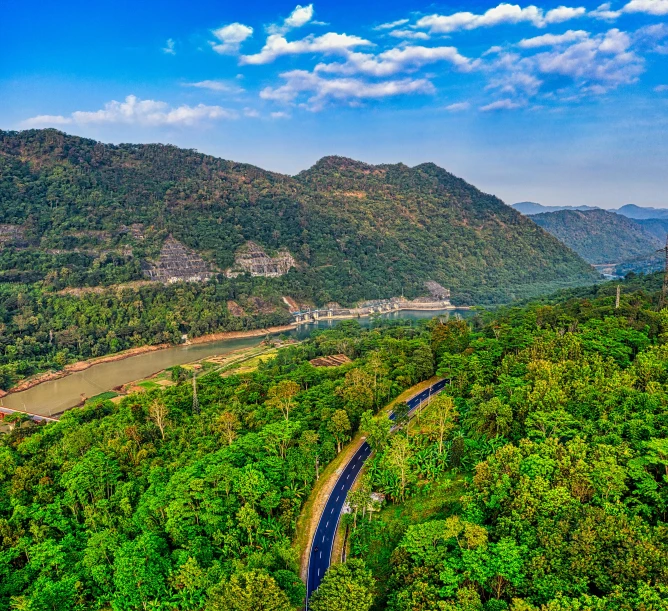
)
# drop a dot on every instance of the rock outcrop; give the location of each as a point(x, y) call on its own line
point(251, 258)
point(177, 263)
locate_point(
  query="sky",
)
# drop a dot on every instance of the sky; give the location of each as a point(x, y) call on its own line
point(562, 104)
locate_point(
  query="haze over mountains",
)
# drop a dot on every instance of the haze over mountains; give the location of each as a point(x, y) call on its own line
point(629, 210)
point(355, 231)
point(627, 238)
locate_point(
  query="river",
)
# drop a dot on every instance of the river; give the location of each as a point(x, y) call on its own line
point(58, 395)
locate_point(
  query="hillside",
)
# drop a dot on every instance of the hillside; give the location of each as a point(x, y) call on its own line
point(352, 230)
point(599, 236)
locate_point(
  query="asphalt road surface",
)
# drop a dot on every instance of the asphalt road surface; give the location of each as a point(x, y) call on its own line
point(321, 546)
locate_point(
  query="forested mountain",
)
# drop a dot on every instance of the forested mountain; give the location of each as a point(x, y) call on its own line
point(356, 231)
point(535, 482)
point(600, 236)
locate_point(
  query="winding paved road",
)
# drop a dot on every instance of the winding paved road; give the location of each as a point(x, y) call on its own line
point(321, 546)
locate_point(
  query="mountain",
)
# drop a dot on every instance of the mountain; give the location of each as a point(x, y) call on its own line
point(102, 213)
point(531, 208)
point(638, 212)
point(599, 236)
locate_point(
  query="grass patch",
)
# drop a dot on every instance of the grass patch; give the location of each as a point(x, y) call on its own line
point(148, 384)
point(105, 396)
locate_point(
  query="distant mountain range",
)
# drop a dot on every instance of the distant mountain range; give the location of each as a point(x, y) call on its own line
point(629, 210)
point(599, 236)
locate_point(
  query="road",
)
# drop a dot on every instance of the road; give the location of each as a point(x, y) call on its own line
point(323, 540)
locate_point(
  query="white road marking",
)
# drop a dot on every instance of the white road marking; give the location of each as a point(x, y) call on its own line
point(348, 476)
point(320, 554)
point(318, 572)
point(332, 510)
point(326, 525)
point(337, 498)
point(323, 537)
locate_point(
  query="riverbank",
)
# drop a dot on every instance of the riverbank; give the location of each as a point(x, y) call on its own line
point(79, 366)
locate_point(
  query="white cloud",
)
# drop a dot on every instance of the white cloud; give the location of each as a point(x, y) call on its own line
point(563, 13)
point(516, 82)
point(391, 25)
point(230, 38)
point(458, 107)
point(552, 40)
point(280, 115)
point(393, 61)
point(501, 14)
point(219, 86)
point(169, 47)
point(251, 113)
point(299, 17)
point(277, 45)
point(651, 7)
point(134, 111)
point(605, 12)
point(506, 104)
point(46, 121)
point(409, 35)
point(320, 91)
point(661, 88)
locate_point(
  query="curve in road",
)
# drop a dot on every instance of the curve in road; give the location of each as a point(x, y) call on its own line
point(323, 540)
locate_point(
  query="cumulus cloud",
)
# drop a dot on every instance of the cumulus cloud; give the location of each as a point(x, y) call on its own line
point(661, 88)
point(218, 86)
point(169, 47)
point(393, 61)
point(277, 46)
point(409, 35)
point(133, 111)
point(605, 12)
point(46, 121)
point(651, 7)
point(391, 25)
point(594, 64)
point(506, 104)
point(552, 40)
point(299, 17)
point(458, 107)
point(501, 14)
point(230, 38)
point(319, 91)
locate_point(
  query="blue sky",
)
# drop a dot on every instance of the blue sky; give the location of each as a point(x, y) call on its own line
point(551, 102)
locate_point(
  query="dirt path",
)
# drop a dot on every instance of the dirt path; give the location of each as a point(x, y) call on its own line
point(307, 522)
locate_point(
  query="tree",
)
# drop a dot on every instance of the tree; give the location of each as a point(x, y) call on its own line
point(253, 590)
point(377, 430)
point(357, 392)
point(281, 396)
point(441, 416)
point(345, 587)
point(398, 457)
point(159, 414)
point(228, 424)
point(339, 426)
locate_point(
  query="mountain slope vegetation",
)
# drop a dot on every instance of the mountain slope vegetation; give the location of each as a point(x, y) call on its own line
point(356, 231)
point(599, 236)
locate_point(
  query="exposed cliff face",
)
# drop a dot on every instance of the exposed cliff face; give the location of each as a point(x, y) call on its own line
point(251, 258)
point(178, 263)
point(11, 234)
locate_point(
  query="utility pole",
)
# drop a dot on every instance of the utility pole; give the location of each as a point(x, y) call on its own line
point(619, 290)
point(664, 291)
point(195, 400)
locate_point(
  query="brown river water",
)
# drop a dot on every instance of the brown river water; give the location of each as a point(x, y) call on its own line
point(56, 396)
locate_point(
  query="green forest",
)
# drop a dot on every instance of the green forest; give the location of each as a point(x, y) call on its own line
point(357, 231)
point(538, 480)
